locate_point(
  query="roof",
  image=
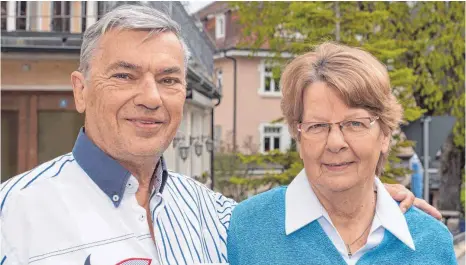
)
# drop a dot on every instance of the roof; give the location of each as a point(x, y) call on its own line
point(233, 37)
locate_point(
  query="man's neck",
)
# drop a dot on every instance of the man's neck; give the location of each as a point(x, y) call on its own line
point(143, 171)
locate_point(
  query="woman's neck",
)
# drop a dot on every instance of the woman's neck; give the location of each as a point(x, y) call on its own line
point(350, 211)
point(349, 206)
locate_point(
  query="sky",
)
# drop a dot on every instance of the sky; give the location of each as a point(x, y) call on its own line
point(194, 5)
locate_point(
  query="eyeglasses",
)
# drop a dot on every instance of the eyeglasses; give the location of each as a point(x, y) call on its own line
point(356, 127)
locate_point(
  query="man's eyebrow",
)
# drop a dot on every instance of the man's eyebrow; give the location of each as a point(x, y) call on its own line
point(124, 65)
point(169, 70)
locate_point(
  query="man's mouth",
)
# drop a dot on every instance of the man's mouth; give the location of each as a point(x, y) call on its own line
point(147, 123)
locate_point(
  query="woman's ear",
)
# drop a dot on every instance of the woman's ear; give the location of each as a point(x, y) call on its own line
point(386, 139)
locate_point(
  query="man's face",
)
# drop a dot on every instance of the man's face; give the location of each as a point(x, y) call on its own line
point(134, 93)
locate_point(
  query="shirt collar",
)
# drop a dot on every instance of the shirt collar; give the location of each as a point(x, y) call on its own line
point(106, 172)
point(390, 215)
point(302, 207)
point(301, 204)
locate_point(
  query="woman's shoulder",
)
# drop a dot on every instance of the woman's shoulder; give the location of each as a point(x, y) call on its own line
point(263, 202)
point(426, 227)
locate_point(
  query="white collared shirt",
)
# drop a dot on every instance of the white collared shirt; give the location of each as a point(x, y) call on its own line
point(81, 209)
point(303, 207)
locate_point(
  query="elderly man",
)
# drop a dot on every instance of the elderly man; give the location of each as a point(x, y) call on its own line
point(112, 200)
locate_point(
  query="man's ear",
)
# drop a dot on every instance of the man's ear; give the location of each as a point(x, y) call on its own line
point(79, 90)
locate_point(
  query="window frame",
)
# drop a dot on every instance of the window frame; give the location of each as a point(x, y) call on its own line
point(62, 17)
point(273, 84)
point(284, 136)
point(26, 16)
point(220, 30)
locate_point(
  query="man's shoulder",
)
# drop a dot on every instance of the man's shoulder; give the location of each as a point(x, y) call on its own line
point(183, 184)
point(186, 182)
point(40, 175)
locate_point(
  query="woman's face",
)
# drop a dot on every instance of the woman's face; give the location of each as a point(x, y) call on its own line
point(338, 158)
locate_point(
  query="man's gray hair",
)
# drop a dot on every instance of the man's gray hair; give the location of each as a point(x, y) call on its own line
point(128, 17)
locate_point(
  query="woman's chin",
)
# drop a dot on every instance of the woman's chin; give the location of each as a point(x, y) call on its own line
point(339, 183)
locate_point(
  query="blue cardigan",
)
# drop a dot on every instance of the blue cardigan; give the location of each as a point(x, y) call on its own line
point(257, 236)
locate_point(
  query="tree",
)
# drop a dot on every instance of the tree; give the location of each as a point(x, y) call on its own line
point(422, 44)
point(434, 35)
point(297, 26)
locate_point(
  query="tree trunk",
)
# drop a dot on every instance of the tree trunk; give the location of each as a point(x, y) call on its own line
point(452, 162)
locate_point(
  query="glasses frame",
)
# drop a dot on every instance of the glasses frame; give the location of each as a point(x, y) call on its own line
point(372, 120)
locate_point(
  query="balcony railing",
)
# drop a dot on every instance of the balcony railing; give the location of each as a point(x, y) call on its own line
point(51, 16)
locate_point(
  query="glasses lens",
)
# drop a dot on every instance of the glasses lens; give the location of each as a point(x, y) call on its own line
point(356, 127)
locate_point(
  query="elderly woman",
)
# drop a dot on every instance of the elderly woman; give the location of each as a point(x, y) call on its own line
point(338, 104)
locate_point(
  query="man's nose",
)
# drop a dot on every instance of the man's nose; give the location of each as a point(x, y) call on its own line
point(149, 95)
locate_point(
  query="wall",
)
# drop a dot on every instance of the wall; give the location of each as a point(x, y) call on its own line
point(37, 72)
point(252, 108)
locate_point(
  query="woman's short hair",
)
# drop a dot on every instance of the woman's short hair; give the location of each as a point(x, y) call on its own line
point(360, 79)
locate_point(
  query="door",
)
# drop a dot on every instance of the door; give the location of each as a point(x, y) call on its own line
point(9, 142)
point(36, 127)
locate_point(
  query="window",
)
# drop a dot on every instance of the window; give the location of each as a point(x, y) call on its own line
point(102, 9)
point(21, 15)
point(4, 13)
point(270, 85)
point(220, 26)
point(83, 15)
point(61, 14)
point(271, 138)
point(219, 76)
point(274, 136)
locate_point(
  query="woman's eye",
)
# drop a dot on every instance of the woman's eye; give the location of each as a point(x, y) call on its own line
point(355, 123)
point(317, 127)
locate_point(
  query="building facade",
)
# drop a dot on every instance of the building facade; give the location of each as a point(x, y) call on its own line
point(40, 48)
point(257, 92)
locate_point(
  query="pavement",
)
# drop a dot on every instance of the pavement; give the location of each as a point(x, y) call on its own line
point(461, 260)
point(460, 249)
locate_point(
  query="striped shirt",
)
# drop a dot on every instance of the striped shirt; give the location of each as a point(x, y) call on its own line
point(80, 208)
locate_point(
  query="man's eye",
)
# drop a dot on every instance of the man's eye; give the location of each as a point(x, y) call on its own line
point(121, 76)
point(170, 81)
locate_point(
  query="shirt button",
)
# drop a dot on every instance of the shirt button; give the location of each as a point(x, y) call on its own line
point(142, 217)
point(116, 198)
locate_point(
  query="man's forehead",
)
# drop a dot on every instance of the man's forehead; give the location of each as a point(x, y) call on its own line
point(139, 37)
point(135, 50)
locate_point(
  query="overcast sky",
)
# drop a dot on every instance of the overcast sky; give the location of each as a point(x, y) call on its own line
point(194, 6)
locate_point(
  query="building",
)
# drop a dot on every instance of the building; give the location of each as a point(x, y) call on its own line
point(40, 48)
point(251, 104)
